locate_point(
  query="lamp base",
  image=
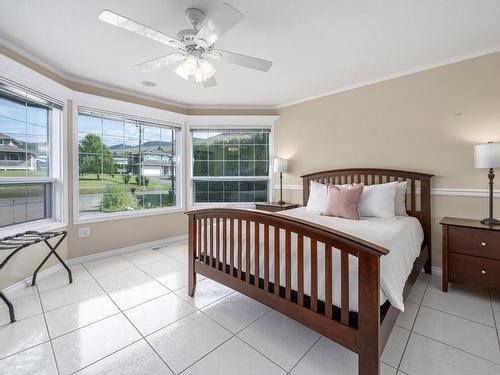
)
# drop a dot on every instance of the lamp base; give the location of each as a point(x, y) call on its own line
point(490, 221)
point(281, 203)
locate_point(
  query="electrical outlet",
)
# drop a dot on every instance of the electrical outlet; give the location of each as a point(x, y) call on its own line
point(84, 232)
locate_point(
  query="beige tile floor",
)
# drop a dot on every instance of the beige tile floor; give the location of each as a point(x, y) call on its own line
point(131, 314)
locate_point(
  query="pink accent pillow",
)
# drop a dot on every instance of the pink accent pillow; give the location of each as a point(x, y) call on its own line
point(343, 203)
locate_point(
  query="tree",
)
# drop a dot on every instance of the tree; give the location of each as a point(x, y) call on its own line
point(95, 156)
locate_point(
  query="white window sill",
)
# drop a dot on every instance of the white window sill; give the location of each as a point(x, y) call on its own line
point(125, 215)
point(45, 225)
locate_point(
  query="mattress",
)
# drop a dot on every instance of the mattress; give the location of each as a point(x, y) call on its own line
point(402, 236)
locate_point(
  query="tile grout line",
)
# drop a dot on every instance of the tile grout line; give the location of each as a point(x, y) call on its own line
point(48, 332)
point(458, 316)
point(110, 354)
point(441, 342)
point(413, 325)
point(307, 351)
point(92, 278)
point(457, 348)
point(139, 332)
point(234, 335)
point(494, 319)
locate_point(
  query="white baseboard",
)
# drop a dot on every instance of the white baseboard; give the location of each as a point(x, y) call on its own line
point(27, 281)
point(128, 249)
point(88, 258)
point(438, 271)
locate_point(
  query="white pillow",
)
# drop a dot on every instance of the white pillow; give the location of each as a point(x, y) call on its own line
point(378, 200)
point(400, 199)
point(318, 196)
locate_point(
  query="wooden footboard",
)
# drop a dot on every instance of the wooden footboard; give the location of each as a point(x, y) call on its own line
point(220, 242)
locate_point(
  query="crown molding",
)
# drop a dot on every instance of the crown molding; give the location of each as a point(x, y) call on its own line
point(72, 80)
point(400, 74)
point(81, 84)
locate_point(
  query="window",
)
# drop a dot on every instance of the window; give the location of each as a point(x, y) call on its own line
point(230, 165)
point(126, 163)
point(27, 184)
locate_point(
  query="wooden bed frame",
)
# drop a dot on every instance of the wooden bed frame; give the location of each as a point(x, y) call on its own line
point(365, 332)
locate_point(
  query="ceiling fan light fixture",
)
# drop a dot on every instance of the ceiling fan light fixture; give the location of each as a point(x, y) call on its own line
point(181, 72)
point(207, 68)
point(200, 69)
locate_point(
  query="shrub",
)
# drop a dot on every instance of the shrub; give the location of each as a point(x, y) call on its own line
point(115, 202)
point(126, 178)
point(142, 180)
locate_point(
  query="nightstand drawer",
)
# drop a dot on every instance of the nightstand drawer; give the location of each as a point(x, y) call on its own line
point(477, 242)
point(474, 271)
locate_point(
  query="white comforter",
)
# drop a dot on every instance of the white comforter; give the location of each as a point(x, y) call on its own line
point(402, 236)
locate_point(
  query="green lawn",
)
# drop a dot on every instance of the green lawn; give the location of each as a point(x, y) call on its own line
point(89, 184)
point(8, 173)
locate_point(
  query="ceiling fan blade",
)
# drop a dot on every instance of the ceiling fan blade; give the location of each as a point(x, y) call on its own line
point(137, 28)
point(242, 60)
point(211, 82)
point(224, 19)
point(160, 62)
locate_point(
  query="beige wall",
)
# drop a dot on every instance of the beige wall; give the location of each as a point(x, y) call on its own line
point(425, 122)
point(409, 123)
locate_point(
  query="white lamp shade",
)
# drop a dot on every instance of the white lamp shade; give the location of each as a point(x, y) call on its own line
point(280, 165)
point(487, 155)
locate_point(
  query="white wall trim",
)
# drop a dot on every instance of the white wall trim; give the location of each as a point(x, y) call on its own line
point(438, 271)
point(457, 192)
point(127, 249)
point(88, 258)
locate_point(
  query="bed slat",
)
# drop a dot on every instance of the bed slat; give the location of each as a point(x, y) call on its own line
point(224, 245)
point(288, 265)
point(328, 281)
point(257, 255)
point(300, 269)
point(344, 277)
point(266, 257)
point(212, 251)
point(217, 235)
point(248, 249)
point(276, 260)
point(231, 247)
point(314, 275)
point(205, 238)
point(240, 250)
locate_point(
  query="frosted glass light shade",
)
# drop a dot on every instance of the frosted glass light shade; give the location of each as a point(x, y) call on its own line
point(487, 155)
point(280, 165)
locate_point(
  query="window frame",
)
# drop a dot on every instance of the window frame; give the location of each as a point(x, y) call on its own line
point(229, 123)
point(107, 105)
point(39, 85)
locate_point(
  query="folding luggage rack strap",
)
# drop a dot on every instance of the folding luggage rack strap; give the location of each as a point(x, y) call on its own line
point(22, 240)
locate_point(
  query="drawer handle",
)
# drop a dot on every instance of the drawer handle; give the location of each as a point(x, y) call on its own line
point(483, 244)
point(483, 272)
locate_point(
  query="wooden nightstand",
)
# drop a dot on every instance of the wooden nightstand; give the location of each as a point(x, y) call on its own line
point(274, 207)
point(471, 253)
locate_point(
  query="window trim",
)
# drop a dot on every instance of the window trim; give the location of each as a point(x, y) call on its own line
point(58, 171)
point(107, 105)
point(221, 123)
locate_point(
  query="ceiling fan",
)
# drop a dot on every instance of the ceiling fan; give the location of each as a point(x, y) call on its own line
point(195, 46)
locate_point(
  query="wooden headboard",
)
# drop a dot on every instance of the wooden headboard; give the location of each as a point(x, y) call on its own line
point(418, 200)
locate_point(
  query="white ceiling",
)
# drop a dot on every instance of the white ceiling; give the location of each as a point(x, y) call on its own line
point(317, 46)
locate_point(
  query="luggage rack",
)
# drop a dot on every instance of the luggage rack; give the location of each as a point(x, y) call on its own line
point(19, 241)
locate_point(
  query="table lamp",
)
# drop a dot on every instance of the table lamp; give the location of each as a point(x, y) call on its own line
point(281, 166)
point(487, 156)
